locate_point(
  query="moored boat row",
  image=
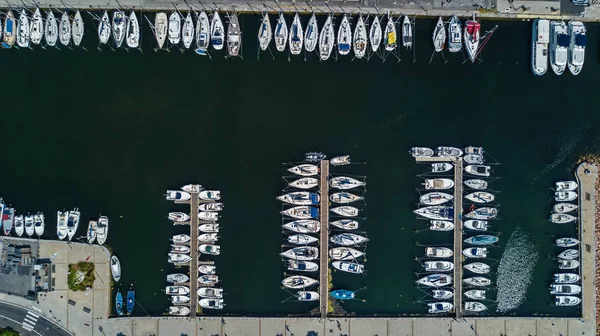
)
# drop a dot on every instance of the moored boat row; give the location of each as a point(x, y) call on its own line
point(564, 45)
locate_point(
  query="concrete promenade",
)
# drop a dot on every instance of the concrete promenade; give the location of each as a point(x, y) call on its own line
point(324, 240)
point(458, 234)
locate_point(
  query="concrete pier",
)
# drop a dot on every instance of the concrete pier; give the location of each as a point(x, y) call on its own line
point(324, 241)
point(458, 235)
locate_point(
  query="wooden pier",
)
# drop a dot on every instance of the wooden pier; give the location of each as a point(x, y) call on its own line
point(194, 254)
point(324, 241)
point(458, 207)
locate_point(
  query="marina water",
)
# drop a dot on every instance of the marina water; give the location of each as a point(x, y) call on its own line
point(110, 131)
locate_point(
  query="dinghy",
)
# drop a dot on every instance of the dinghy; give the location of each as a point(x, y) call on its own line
point(342, 294)
point(208, 216)
point(119, 303)
point(187, 32)
point(8, 218)
point(19, 225)
point(181, 239)
point(476, 184)
point(454, 34)
point(345, 224)
point(326, 40)
point(311, 36)
point(344, 197)
point(474, 307)
point(179, 299)
point(210, 207)
point(340, 160)
point(211, 303)
point(77, 29)
point(29, 225)
point(178, 216)
point(566, 242)
point(102, 230)
point(182, 249)
point(438, 184)
point(265, 33)
point(176, 195)
point(210, 195)
point(436, 212)
point(305, 170)
point(344, 37)
point(348, 239)
point(115, 268)
point(160, 28)
point(565, 196)
point(177, 278)
point(478, 170)
point(577, 46)
point(36, 30)
point(38, 223)
point(300, 198)
point(476, 225)
point(346, 211)
point(474, 159)
point(23, 29)
point(301, 266)
point(179, 311)
point(448, 152)
point(303, 226)
point(564, 207)
point(559, 45)
point(435, 280)
point(207, 269)
point(438, 266)
point(418, 152)
point(478, 267)
point(440, 167)
point(175, 28)
point(132, 38)
point(560, 218)
point(375, 34)
point(301, 212)
point(345, 253)
point(566, 278)
point(567, 300)
point(91, 231)
point(64, 28)
point(439, 307)
point(345, 183)
point(439, 225)
point(209, 249)
point(177, 290)
point(210, 292)
point(118, 28)
point(483, 213)
point(217, 31)
point(475, 294)
point(360, 39)
point(471, 36)
point(9, 36)
point(569, 254)
point(176, 258)
point(564, 289)
point(480, 197)
point(348, 267)
point(435, 198)
point(104, 28)
point(442, 294)
point(281, 33)
point(234, 36)
point(305, 183)
point(307, 296)
point(477, 281)
point(296, 36)
point(438, 252)
point(208, 238)
point(73, 223)
point(481, 240)
point(203, 33)
point(389, 39)
point(568, 264)
point(301, 239)
point(407, 33)
point(439, 35)
point(475, 252)
point(298, 282)
point(303, 253)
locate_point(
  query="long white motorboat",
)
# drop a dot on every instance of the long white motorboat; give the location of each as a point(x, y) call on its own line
point(448, 152)
point(73, 223)
point(438, 252)
point(344, 36)
point(209, 249)
point(474, 307)
point(118, 28)
point(217, 32)
point(480, 197)
point(305, 183)
point(209, 216)
point(303, 226)
point(346, 211)
point(301, 212)
point(577, 44)
point(38, 223)
point(344, 197)
point(208, 238)
point(179, 311)
point(476, 225)
point(300, 198)
point(179, 299)
point(36, 30)
point(565, 196)
point(211, 303)
point(407, 38)
point(345, 183)
point(91, 231)
point(360, 43)
point(326, 39)
point(305, 169)
point(174, 33)
point(29, 225)
point(566, 242)
point(442, 294)
point(390, 39)
point(454, 34)
point(476, 184)
point(375, 33)
point(559, 46)
point(234, 36)
point(176, 195)
point(567, 264)
point(438, 184)
point(435, 198)
point(475, 252)
point(440, 167)
point(210, 292)
point(311, 36)
point(19, 225)
point(440, 225)
point(478, 170)
point(439, 307)
point(304, 253)
point(211, 207)
point(438, 266)
point(177, 278)
point(187, 31)
point(180, 249)
point(281, 33)
point(301, 266)
point(64, 28)
point(566, 278)
point(265, 32)
point(104, 28)
point(436, 280)
point(540, 39)
point(345, 224)
point(560, 218)
point(345, 253)
point(569, 254)
point(9, 31)
point(132, 37)
point(478, 267)
point(296, 38)
point(115, 268)
point(102, 230)
point(177, 290)
point(178, 216)
point(161, 24)
point(472, 35)
point(566, 300)
point(209, 195)
point(176, 258)
point(304, 296)
point(565, 186)
point(181, 238)
point(202, 34)
point(439, 35)
point(483, 213)
point(477, 281)
point(348, 239)
point(349, 267)
point(564, 289)
point(23, 29)
point(77, 29)
point(420, 152)
point(475, 294)
point(298, 282)
point(438, 212)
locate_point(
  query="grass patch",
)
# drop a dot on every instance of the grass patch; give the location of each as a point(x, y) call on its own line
point(8, 332)
point(81, 276)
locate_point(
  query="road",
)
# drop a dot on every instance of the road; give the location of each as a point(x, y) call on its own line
point(28, 322)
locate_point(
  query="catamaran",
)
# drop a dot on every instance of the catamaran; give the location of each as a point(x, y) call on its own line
point(174, 28)
point(407, 38)
point(312, 34)
point(187, 33)
point(38, 222)
point(73, 223)
point(559, 46)
point(132, 38)
point(77, 29)
point(37, 27)
point(360, 44)
point(9, 37)
point(160, 29)
point(439, 35)
point(104, 28)
point(61, 224)
point(23, 30)
point(375, 34)
point(472, 36)
point(454, 34)
point(389, 39)
point(202, 34)
point(64, 28)
point(217, 31)
point(344, 37)
point(577, 46)
point(281, 33)
point(296, 36)
point(265, 33)
point(326, 39)
point(540, 38)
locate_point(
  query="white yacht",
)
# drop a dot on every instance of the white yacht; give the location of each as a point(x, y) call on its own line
point(37, 27)
point(73, 222)
point(29, 228)
point(174, 28)
point(19, 225)
point(64, 28)
point(265, 32)
point(375, 34)
point(577, 46)
point(311, 36)
point(77, 29)
point(38, 222)
point(102, 230)
point(540, 38)
point(454, 34)
point(344, 37)
point(281, 33)
point(296, 38)
point(407, 38)
point(132, 37)
point(118, 28)
point(217, 32)
point(471, 35)
point(23, 30)
point(559, 46)
point(202, 33)
point(160, 29)
point(360, 47)
point(439, 307)
point(326, 39)
point(187, 31)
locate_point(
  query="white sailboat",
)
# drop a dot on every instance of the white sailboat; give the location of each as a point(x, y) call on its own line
point(303, 226)
point(436, 280)
point(484, 213)
point(564, 207)
point(344, 37)
point(345, 183)
point(454, 34)
point(73, 223)
point(265, 32)
point(202, 34)
point(177, 278)
point(77, 29)
point(104, 28)
point(476, 184)
point(540, 39)
point(174, 28)
point(480, 197)
point(375, 34)
point(577, 45)
point(471, 35)
point(560, 218)
point(326, 39)
point(439, 35)
point(298, 282)
point(132, 38)
point(305, 169)
point(300, 198)
point(281, 33)
point(301, 212)
point(435, 198)
point(64, 28)
point(478, 267)
point(23, 30)
point(348, 239)
point(311, 36)
point(477, 281)
point(187, 32)
point(360, 44)
point(36, 30)
point(301, 266)
point(160, 29)
point(438, 212)
point(475, 294)
point(39, 225)
point(102, 230)
point(345, 211)
point(303, 253)
point(9, 32)
point(345, 253)
point(305, 183)
point(29, 225)
point(390, 37)
point(296, 36)
point(118, 28)
point(343, 197)
point(559, 46)
point(91, 231)
point(569, 254)
point(51, 29)
point(345, 224)
point(217, 31)
point(301, 239)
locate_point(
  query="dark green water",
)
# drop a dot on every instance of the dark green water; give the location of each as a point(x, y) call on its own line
point(110, 131)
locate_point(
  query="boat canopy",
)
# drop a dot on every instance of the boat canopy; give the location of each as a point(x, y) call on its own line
point(563, 40)
point(581, 40)
point(344, 47)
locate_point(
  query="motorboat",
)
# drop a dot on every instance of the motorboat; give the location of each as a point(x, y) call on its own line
point(177, 278)
point(566, 242)
point(390, 37)
point(559, 46)
point(564, 289)
point(217, 31)
point(301, 239)
point(301, 266)
point(8, 219)
point(442, 294)
point(343, 294)
point(307, 296)
point(209, 195)
point(211, 303)
point(344, 36)
point(478, 170)
point(454, 34)
point(207, 269)
point(179, 311)
point(179, 299)
point(77, 29)
point(476, 225)
point(9, 36)
point(305, 183)
point(566, 300)
point(438, 266)
point(560, 218)
point(360, 41)
point(474, 307)
point(439, 35)
point(345, 253)
point(448, 152)
point(132, 36)
point(569, 254)
point(178, 216)
point(346, 211)
point(19, 225)
point(298, 282)
point(421, 152)
point(174, 33)
point(480, 197)
point(207, 238)
point(311, 36)
point(474, 150)
point(540, 39)
point(565, 196)
point(326, 39)
point(300, 198)
point(475, 252)
point(471, 35)
point(209, 249)
point(438, 252)
point(176, 195)
point(104, 28)
point(440, 167)
point(73, 223)
point(577, 44)
point(345, 183)
point(305, 169)
point(477, 281)
point(181, 239)
point(216, 206)
point(474, 159)
point(344, 197)
point(438, 212)
point(118, 27)
point(296, 38)
point(439, 307)
point(375, 33)
point(281, 33)
point(130, 300)
point(180, 249)
point(476, 184)
point(64, 29)
point(440, 225)
point(481, 240)
point(265, 32)
point(177, 258)
point(208, 216)
point(301, 212)
point(348, 239)
point(208, 280)
point(210, 292)
point(566, 186)
point(29, 225)
point(119, 303)
point(187, 31)
point(567, 264)
point(435, 280)
point(566, 278)
point(435, 198)
point(564, 207)
point(23, 29)
point(102, 230)
point(303, 226)
point(160, 30)
point(303, 253)
point(477, 267)
point(36, 30)
point(341, 160)
point(177, 290)
point(38, 223)
point(438, 184)
point(203, 34)
point(484, 213)
point(475, 294)
point(91, 231)
point(115, 268)
point(407, 38)
point(348, 267)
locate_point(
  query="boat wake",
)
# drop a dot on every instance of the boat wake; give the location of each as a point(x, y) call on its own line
point(515, 271)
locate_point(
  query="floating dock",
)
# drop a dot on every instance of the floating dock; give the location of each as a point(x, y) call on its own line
point(458, 206)
point(194, 254)
point(324, 241)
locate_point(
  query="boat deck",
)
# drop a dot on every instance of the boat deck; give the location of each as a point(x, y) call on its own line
point(458, 206)
point(434, 159)
point(194, 254)
point(324, 242)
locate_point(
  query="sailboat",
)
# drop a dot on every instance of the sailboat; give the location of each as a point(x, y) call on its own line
point(91, 231)
point(174, 28)
point(23, 30)
point(454, 34)
point(202, 34)
point(19, 225)
point(407, 38)
point(477, 281)
point(38, 222)
point(311, 36)
point(577, 45)
point(566, 242)
point(217, 32)
point(118, 28)
point(569, 254)
point(389, 39)
point(51, 30)
point(345, 224)
point(540, 38)
point(480, 197)
point(438, 212)
point(177, 278)
point(300, 198)
point(29, 225)
point(483, 213)
point(37, 27)
point(9, 37)
point(435, 198)
point(160, 29)
point(104, 28)
point(344, 37)
point(73, 223)
point(481, 240)
point(234, 36)
point(130, 299)
point(301, 239)
point(187, 33)
point(345, 253)
point(298, 282)
point(560, 218)
point(305, 183)
point(119, 303)
point(132, 38)
point(439, 35)
point(296, 36)
point(348, 239)
point(61, 226)
point(64, 28)
point(375, 34)
point(564, 207)
point(360, 45)
point(281, 33)
point(305, 169)
point(345, 211)
point(326, 39)
point(476, 184)
point(343, 197)
point(265, 33)
point(303, 226)
point(302, 253)
point(478, 267)
point(345, 183)
point(471, 35)
point(301, 212)
point(102, 230)
point(77, 29)
point(559, 46)
point(436, 280)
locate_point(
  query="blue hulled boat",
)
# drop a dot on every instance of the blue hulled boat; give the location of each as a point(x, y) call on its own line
point(119, 303)
point(130, 299)
point(481, 240)
point(342, 294)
